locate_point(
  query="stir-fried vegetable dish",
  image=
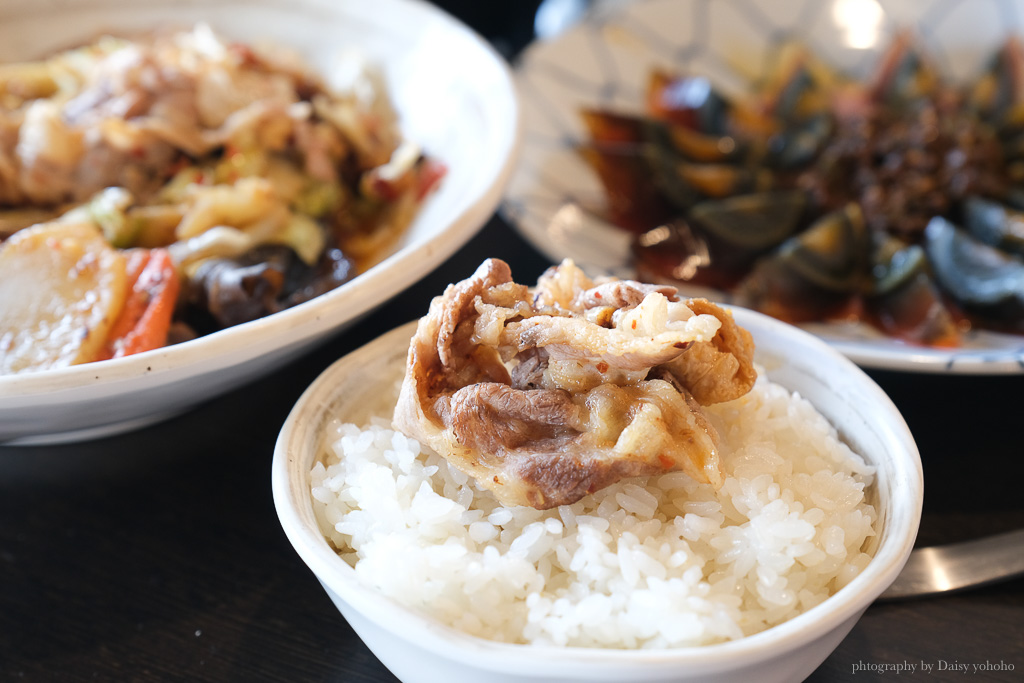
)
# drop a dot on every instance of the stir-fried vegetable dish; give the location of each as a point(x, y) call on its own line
point(161, 188)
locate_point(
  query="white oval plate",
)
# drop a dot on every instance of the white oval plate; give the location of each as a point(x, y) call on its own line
point(455, 97)
point(605, 61)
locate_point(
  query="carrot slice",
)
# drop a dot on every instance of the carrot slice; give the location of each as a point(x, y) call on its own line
point(146, 317)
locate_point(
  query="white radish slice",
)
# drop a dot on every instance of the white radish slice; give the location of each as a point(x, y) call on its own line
point(61, 287)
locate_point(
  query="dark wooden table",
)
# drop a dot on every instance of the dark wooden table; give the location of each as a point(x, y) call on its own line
point(157, 555)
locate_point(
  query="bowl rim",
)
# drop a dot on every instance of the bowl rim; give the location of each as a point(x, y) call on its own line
point(296, 517)
point(237, 344)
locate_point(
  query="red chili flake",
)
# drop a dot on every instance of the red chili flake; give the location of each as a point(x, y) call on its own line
point(666, 462)
point(177, 166)
point(430, 176)
point(243, 53)
point(681, 345)
point(597, 295)
point(383, 189)
point(602, 367)
point(634, 324)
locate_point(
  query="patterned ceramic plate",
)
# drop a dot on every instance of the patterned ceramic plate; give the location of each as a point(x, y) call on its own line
point(604, 61)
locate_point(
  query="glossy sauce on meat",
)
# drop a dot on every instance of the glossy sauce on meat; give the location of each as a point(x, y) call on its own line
point(546, 395)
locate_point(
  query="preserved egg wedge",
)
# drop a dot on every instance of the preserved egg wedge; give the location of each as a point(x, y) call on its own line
point(981, 278)
point(995, 224)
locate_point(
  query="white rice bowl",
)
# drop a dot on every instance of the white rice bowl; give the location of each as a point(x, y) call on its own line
point(660, 562)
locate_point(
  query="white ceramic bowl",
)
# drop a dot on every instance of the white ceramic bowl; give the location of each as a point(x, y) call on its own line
point(418, 650)
point(454, 95)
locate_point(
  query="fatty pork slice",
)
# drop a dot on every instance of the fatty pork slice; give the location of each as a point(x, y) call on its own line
point(545, 396)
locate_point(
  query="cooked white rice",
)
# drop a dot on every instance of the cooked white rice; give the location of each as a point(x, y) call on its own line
point(646, 563)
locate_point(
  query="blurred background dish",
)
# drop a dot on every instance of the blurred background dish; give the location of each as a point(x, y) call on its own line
point(604, 61)
point(454, 96)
